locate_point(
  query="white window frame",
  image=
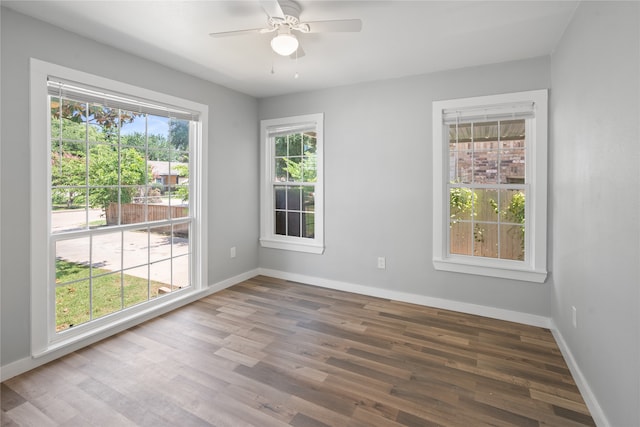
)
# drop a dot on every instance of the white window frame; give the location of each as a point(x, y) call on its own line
point(268, 238)
point(44, 339)
point(534, 267)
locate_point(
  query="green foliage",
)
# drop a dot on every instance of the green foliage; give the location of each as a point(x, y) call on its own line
point(108, 119)
point(179, 134)
point(302, 169)
point(103, 171)
point(72, 299)
point(515, 210)
point(182, 191)
point(68, 170)
point(157, 146)
point(461, 201)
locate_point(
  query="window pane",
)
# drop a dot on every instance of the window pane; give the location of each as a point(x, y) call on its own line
point(103, 165)
point(136, 286)
point(281, 146)
point(461, 237)
point(106, 250)
point(295, 145)
point(485, 240)
point(72, 260)
point(159, 243)
point(512, 206)
point(68, 167)
point(309, 168)
point(156, 211)
point(461, 201)
point(512, 242)
point(281, 173)
point(485, 132)
point(281, 223)
point(308, 225)
point(180, 278)
point(308, 198)
point(293, 224)
point(178, 135)
point(103, 124)
point(309, 143)
point(512, 166)
point(280, 197)
point(106, 293)
point(160, 274)
point(293, 198)
point(72, 305)
point(68, 209)
point(485, 164)
point(512, 130)
point(486, 205)
point(461, 166)
point(294, 167)
point(135, 249)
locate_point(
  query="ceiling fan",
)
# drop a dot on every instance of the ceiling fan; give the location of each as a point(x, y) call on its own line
point(283, 19)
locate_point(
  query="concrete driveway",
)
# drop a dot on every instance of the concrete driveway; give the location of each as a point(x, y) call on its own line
point(140, 253)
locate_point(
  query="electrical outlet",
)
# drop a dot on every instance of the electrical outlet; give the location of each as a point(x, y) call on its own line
point(574, 316)
point(232, 252)
point(382, 263)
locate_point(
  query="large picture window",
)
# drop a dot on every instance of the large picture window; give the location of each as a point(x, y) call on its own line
point(292, 197)
point(490, 174)
point(121, 192)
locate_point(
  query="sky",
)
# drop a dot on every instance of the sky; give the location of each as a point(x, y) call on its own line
point(156, 126)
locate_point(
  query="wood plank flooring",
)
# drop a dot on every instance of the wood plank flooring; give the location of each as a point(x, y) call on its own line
point(267, 352)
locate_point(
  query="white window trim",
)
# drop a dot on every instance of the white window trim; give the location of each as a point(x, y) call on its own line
point(534, 268)
point(44, 340)
point(268, 238)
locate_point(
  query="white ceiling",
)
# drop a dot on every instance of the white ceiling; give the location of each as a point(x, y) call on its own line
point(398, 38)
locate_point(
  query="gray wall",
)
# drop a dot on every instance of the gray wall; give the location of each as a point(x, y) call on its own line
point(595, 197)
point(233, 189)
point(378, 184)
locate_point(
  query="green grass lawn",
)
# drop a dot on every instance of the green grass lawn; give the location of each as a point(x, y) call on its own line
point(72, 300)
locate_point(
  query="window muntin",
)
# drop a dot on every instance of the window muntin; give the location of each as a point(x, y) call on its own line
point(291, 203)
point(490, 185)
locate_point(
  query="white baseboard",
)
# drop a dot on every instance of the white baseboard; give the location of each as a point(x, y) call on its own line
point(20, 366)
point(480, 310)
point(597, 413)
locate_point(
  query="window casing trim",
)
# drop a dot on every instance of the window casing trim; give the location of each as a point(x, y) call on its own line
point(44, 339)
point(533, 269)
point(270, 128)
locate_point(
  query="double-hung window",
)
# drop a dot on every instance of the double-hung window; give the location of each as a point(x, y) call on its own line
point(490, 170)
point(291, 186)
point(108, 241)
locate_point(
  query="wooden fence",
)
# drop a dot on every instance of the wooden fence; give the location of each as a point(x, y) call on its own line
point(133, 213)
point(485, 241)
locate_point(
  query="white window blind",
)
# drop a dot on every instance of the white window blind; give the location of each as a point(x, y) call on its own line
point(83, 93)
point(512, 111)
point(274, 131)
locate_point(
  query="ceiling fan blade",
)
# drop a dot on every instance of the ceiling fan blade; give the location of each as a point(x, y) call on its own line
point(236, 33)
point(298, 53)
point(335, 26)
point(272, 9)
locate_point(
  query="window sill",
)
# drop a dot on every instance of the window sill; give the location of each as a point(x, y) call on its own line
point(500, 269)
point(311, 247)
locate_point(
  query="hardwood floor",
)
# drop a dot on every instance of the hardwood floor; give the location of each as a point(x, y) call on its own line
point(268, 352)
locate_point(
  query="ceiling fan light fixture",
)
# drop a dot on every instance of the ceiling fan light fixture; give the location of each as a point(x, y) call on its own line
point(284, 43)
